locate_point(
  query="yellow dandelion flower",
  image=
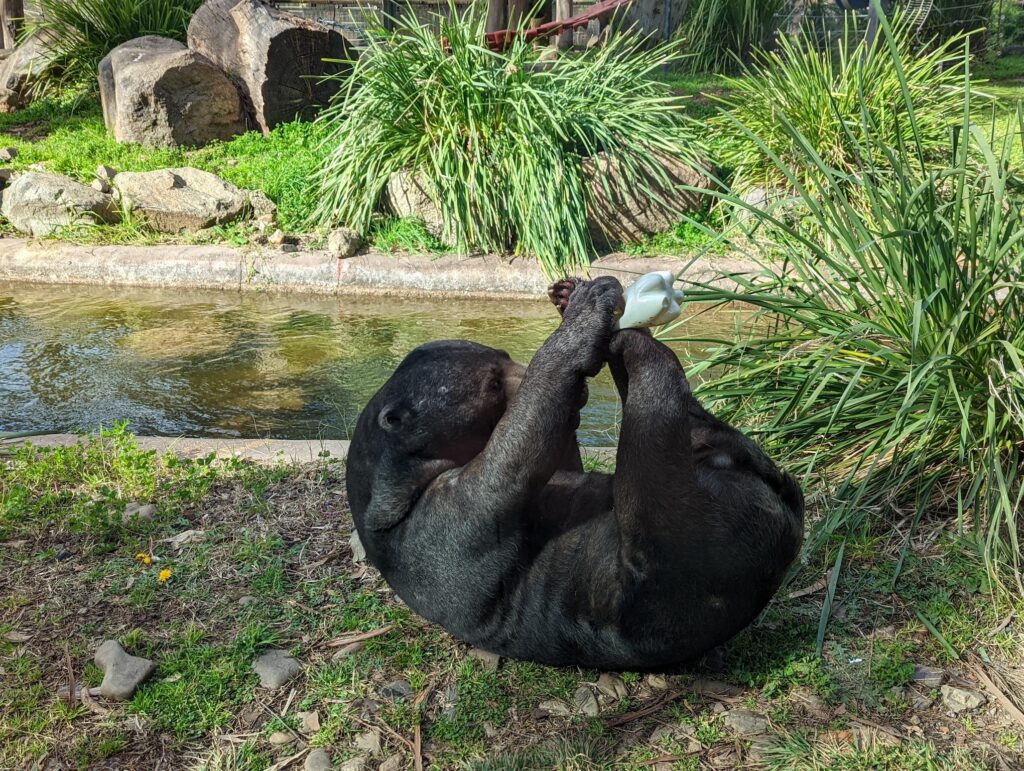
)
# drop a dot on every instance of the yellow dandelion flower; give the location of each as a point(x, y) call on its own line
point(144, 558)
point(165, 574)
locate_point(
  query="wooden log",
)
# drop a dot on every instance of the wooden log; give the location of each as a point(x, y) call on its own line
point(563, 10)
point(12, 17)
point(276, 58)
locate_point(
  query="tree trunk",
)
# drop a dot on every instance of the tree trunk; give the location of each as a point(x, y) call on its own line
point(12, 16)
point(496, 15)
point(276, 58)
point(563, 10)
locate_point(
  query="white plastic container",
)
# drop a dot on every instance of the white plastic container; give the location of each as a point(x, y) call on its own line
point(651, 301)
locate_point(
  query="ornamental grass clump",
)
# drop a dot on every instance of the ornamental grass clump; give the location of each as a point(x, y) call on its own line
point(498, 140)
point(802, 94)
point(79, 33)
point(885, 355)
point(722, 34)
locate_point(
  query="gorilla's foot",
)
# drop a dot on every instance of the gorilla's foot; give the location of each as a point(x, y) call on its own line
point(560, 291)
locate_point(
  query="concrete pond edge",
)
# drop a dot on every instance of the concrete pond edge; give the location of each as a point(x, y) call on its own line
point(315, 272)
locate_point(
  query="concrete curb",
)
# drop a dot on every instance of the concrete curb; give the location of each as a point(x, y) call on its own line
point(256, 450)
point(263, 269)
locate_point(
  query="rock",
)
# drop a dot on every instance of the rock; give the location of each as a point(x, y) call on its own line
point(246, 599)
point(810, 703)
point(397, 690)
point(354, 764)
point(278, 59)
point(618, 214)
point(369, 741)
point(281, 738)
point(612, 686)
point(158, 93)
point(8, 154)
point(14, 636)
point(715, 688)
point(309, 722)
point(958, 700)
point(394, 763)
point(275, 668)
point(277, 238)
point(489, 730)
point(759, 748)
point(141, 511)
point(586, 701)
point(358, 552)
point(101, 185)
point(181, 200)
point(260, 205)
point(122, 673)
point(743, 722)
point(918, 700)
point(656, 682)
point(342, 243)
point(20, 71)
point(289, 247)
point(681, 734)
point(105, 173)
point(39, 203)
point(318, 760)
point(555, 707)
point(929, 677)
point(411, 196)
point(488, 661)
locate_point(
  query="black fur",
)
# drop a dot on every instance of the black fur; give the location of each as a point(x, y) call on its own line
point(469, 496)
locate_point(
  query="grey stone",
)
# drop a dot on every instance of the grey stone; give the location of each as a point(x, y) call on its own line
point(918, 700)
point(39, 203)
point(277, 238)
point(20, 71)
point(122, 673)
point(281, 738)
point(140, 511)
point(619, 214)
point(680, 733)
point(246, 599)
point(289, 247)
point(369, 741)
point(556, 707)
point(357, 763)
point(586, 701)
point(744, 722)
point(8, 154)
point(318, 760)
point(275, 668)
point(488, 661)
point(411, 196)
point(260, 205)
point(929, 677)
point(309, 722)
point(181, 200)
point(105, 172)
point(158, 93)
point(810, 702)
point(358, 551)
point(958, 700)
point(656, 682)
point(612, 686)
point(397, 690)
point(343, 243)
point(101, 185)
point(394, 763)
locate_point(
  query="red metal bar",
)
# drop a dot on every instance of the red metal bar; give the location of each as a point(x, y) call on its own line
point(500, 40)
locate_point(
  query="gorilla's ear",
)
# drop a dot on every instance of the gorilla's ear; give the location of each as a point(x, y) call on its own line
point(393, 417)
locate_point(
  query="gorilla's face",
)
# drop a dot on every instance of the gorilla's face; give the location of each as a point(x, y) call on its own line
point(445, 399)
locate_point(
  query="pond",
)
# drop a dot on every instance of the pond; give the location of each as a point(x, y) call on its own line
point(228, 364)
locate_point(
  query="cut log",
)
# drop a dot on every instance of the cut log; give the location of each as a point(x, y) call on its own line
point(158, 93)
point(278, 59)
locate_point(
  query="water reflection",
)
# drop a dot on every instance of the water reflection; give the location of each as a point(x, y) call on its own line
point(231, 364)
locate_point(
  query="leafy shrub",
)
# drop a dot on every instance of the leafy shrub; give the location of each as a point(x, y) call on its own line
point(82, 32)
point(720, 34)
point(887, 358)
point(499, 139)
point(800, 102)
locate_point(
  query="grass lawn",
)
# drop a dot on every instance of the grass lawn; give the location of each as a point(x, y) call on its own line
point(267, 564)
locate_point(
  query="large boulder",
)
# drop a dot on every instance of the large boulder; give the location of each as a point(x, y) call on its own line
point(278, 59)
point(156, 92)
point(38, 203)
point(412, 196)
point(20, 71)
point(179, 200)
point(620, 213)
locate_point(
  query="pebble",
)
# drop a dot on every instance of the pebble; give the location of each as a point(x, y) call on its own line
point(246, 599)
point(397, 690)
point(810, 703)
point(342, 243)
point(556, 707)
point(354, 764)
point(122, 673)
point(586, 701)
point(369, 741)
point(919, 700)
point(488, 661)
point(656, 682)
point(281, 738)
point(715, 688)
point(959, 700)
point(289, 248)
point(929, 677)
point(101, 185)
point(612, 686)
point(8, 154)
point(309, 722)
point(275, 668)
point(277, 238)
point(105, 173)
point(318, 760)
point(394, 763)
point(358, 552)
point(744, 722)
point(141, 511)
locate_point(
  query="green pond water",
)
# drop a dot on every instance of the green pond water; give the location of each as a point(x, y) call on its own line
point(228, 364)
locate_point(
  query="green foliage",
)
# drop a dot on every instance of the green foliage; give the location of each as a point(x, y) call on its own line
point(81, 32)
point(720, 34)
point(498, 141)
point(403, 234)
point(887, 354)
point(798, 100)
point(890, 667)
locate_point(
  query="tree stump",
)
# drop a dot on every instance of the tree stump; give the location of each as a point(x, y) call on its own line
point(277, 58)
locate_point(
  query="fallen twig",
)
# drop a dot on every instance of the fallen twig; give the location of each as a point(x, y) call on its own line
point(817, 586)
point(91, 705)
point(997, 692)
point(289, 760)
point(629, 717)
point(348, 639)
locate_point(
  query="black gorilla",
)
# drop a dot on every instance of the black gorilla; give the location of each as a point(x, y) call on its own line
point(466, 486)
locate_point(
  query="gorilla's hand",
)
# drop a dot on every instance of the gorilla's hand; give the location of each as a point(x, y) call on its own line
point(588, 318)
point(560, 291)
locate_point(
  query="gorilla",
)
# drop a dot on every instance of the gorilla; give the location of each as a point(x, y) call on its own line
point(467, 489)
